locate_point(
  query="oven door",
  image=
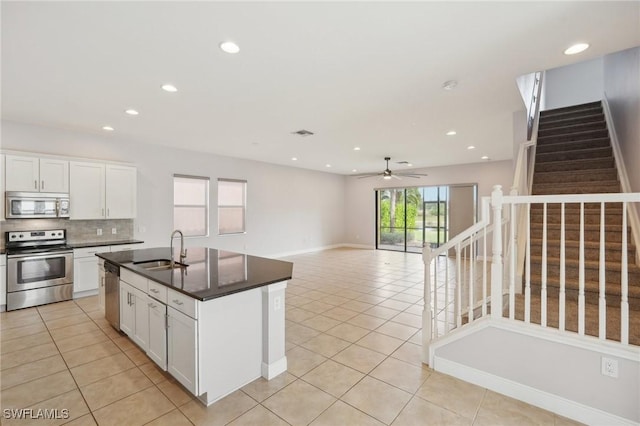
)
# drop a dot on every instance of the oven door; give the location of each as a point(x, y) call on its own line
point(26, 272)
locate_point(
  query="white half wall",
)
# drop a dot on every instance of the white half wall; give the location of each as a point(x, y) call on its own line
point(360, 214)
point(573, 84)
point(622, 88)
point(549, 373)
point(288, 209)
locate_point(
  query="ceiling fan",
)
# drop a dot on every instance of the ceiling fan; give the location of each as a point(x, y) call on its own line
point(388, 174)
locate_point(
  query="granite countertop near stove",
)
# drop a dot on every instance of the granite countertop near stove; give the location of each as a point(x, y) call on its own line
point(102, 243)
point(209, 274)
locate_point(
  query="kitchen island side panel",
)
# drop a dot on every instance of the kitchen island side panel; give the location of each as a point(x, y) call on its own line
point(230, 343)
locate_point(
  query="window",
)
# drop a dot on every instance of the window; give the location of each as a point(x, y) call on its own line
point(191, 205)
point(232, 197)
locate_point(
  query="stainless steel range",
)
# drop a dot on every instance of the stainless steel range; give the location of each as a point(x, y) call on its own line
point(39, 268)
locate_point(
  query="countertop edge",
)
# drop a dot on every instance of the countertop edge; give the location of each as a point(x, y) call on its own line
point(103, 243)
point(140, 271)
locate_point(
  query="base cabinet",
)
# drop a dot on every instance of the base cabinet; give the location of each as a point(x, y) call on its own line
point(127, 309)
point(134, 315)
point(182, 349)
point(157, 350)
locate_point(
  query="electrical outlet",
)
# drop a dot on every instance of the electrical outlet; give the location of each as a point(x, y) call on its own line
point(99, 232)
point(114, 231)
point(277, 303)
point(610, 367)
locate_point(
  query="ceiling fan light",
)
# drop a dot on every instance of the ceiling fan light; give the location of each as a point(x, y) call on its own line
point(386, 177)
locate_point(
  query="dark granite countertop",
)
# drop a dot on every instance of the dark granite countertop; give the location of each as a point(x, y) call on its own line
point(210, 273)
point(103, 243)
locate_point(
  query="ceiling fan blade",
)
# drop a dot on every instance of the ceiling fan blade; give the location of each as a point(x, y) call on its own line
point(395, 177)
point(367, 175)
point(413, 175)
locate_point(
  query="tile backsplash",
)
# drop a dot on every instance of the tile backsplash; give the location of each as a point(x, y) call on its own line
point(78, 231)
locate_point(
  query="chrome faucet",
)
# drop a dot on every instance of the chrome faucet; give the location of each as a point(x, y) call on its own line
point(183, 252)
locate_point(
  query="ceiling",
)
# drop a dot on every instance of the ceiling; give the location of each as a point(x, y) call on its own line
point(357, 74)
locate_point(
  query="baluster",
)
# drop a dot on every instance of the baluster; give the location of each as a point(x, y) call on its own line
point(496, 260)
point(624, 282)
point(543, 290)
point(447, 326)
point(435, 298)
point(458, 306)
point(484, 272)
point(581, 275)
point(427, 314)
point(562, 314)
point(527, 284)
point(602, 311)
point(512, 264)
point(472, 281)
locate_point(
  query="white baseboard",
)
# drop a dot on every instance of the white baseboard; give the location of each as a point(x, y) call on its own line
point(530, 395)
point(269, 371)
point(81, 294)
point(321, 248)
point(359, 246)
point(304, 251)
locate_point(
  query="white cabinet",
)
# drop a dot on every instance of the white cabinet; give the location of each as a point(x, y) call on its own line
point(182, 349)
point(121, 191)
point(102, 191)
point(2, 169)
point(157, 333)
point(134, 313)
point(3, 281)
point(101, 283)
point(87, 190)
point(127, 313)
point(33, 174)
point(85, 269)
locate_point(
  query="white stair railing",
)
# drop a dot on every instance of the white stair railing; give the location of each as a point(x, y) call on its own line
point(462, 288)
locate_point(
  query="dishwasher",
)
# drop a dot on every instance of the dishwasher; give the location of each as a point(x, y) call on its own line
point(112, 294)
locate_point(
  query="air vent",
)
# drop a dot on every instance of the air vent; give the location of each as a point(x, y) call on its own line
point(302, 133)
point(402, 162)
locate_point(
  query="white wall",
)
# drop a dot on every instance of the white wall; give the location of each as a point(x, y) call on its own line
point(551, 367)
point(573, 84)
point(622, 89)
point(360, 218)
point(288, 209)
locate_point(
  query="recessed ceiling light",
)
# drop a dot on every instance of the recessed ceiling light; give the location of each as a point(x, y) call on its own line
point(484, 157)
point(327, 165)
point(471, 147)
point(108, 128)
point(576, 48)
point(294, 158)
point(132, 112)
point(449, 85)
point(357, 148)
point(229, 47)
point(169, 88)
point(409, 165)
point(451, 133)
point(354, 170)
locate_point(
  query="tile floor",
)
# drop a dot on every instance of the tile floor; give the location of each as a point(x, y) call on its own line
point(353, 335)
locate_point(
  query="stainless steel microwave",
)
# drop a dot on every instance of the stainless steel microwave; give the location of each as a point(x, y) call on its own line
point(36, 205)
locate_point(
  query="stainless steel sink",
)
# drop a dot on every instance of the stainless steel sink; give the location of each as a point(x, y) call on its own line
point(159, 265)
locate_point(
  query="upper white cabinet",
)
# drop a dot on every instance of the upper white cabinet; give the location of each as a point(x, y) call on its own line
point(102, 191)
point(121, 191)
point(33, 174)
point(87, 190)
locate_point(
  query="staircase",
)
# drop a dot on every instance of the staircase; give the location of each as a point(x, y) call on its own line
point(574, 156)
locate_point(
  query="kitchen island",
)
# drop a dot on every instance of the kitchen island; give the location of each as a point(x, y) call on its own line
point(215, 321)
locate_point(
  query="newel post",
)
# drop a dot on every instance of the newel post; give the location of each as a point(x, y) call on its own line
point(427, 313)
point(496, 260)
